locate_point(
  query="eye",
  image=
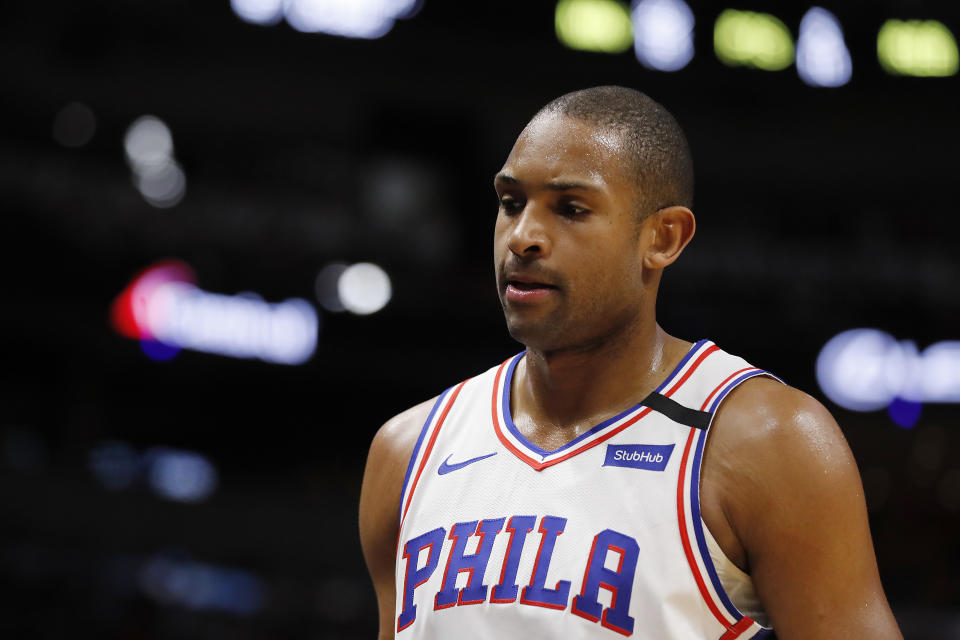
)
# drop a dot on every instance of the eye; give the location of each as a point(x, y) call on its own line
point(510, 205)
point(571, 210)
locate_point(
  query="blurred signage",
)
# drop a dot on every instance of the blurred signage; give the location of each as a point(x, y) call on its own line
point(166, 311)
point(594, 25)
point(924, 48)
point(758, 40)
point(868, 369)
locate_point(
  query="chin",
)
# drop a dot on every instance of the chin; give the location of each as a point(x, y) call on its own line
point(539, 335)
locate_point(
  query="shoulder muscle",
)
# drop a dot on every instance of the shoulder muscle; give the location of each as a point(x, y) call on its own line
point(790, 489)
point(380, 500)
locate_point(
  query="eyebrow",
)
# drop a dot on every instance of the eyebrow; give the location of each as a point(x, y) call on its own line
point(552, 186)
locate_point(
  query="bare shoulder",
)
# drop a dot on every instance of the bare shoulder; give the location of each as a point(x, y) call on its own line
point(398, 435)
point(776, 450)
point(387, 463)
point(771, 419)
point(784, 485)
point(380, 497)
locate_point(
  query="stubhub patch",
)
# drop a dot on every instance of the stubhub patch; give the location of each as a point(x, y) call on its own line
point(652, 457)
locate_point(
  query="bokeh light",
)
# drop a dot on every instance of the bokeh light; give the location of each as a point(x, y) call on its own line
point(326, 286)
point(202, 586)
point(663, 34)
point(182, 476)
point(115, 464)
point(751, 39)
point(148, 143)
point(924, 48)
point(594, 25)
point(262, 12)
point(822, 56)
point(364, 288)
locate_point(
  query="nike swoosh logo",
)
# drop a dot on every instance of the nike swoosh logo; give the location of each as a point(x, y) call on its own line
point(445, 467)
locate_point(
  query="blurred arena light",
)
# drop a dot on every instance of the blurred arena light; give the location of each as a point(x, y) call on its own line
point(325, 286)
point(367, 19)
point(364, 288)
point(202, 587)
point(822, 56)
point(162, 185)
point(148, 144)
point(663, 34)
point(923, 48)
point(904, 412)
point(162, 305)
point(114, 464)
point(74, 125)
point(594, 25)
point(867, 369)
point(750, 39)
point(262, 12)
point(181, 476)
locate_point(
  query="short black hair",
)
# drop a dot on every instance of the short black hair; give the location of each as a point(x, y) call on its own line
point(655, 145)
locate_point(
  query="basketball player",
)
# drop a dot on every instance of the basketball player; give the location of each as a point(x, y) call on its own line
point(612, 479)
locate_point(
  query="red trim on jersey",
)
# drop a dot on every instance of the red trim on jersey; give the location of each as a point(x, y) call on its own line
point(446, 571)
point(613, 595)
point(482, 535)
point(706, 402)
point(426, 453)
point(685, 539)
point(506, 558)
point(585, 616)
point(540, 466)
point(583, 587)
point(693, 367)
point(737, 630)
point(406, 577)
point(533, 575)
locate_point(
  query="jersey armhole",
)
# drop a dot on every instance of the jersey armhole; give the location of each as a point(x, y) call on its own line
point(702, 561)
point(416, 452)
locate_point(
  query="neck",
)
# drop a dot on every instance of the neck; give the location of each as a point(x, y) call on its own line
point(573, 389)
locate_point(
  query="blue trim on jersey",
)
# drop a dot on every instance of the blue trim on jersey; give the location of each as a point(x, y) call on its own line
point(673, 374)
point(416, 450)
point(733, 385)
point(508, 417)
point(698, 528)
point(763, 633)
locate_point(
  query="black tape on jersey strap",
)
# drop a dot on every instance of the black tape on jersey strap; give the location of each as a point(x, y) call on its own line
point(676, 411)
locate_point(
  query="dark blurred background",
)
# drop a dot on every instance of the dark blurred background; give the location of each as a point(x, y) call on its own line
point(151, 494)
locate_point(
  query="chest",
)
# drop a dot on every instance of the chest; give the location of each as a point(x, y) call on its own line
point(594, 529)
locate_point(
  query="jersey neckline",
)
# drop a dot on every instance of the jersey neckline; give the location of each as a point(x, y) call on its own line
point(540, 458)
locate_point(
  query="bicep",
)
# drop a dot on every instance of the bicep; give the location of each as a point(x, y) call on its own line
point(378, 531)
point(379, 506)
point(801, 518)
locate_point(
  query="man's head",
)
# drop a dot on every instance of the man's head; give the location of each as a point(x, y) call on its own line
point(651, 142)
point(594, 202)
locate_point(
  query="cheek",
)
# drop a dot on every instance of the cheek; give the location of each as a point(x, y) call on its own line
point(500, 229)
point(609, 273)
point(497, 237)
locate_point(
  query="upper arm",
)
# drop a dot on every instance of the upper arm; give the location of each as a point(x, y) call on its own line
point(791, 492)
point(380, 503)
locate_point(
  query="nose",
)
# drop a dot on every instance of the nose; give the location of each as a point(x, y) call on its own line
point(529, 237)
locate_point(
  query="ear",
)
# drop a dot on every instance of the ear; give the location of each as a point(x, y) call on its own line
point(665, 234)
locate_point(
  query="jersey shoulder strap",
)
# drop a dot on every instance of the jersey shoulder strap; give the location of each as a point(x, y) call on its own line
point(709, 374)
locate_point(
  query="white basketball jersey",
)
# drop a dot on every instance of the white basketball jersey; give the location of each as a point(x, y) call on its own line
point(599, 538)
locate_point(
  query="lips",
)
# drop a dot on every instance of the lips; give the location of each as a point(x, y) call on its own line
point(522, 280)
point(525, 285)
point(521, 288)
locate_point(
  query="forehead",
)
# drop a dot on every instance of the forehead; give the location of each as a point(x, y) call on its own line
point(554, 146)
